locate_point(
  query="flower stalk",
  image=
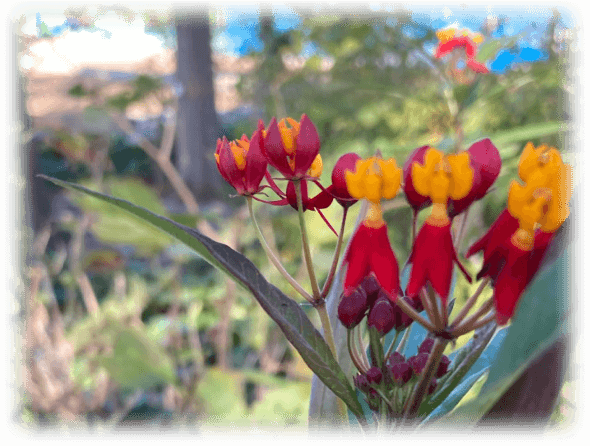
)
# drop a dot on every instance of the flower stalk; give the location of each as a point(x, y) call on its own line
point(421, 388)
point(273, 257)
point(332, 273)
point(470, 302)
point(304, 240)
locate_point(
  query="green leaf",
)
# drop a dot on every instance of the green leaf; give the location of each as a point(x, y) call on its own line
point(137, 361)
point(540, 319)
point(528, 132)
point(454, 397)
point(461, 370)
point(288, 315)
point(117, 227)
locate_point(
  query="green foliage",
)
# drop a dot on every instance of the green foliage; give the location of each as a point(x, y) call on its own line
point(541, 318)
point(115, 226)
point(141, 86)
point(284, 311)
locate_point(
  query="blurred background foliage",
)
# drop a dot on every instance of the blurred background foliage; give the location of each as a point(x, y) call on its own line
point(126, 326)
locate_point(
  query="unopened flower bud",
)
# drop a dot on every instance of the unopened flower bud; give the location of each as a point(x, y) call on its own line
point(426, 346)
point(374, 375)
point(352, 308)
point(361, 382)
point(338, 189)
point(418, 362)
point(396, 358)
point(400, 372)
point(382, 315)
point(443, 366)
point(371, 287)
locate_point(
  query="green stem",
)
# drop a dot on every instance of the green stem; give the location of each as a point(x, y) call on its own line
point(382, 412)
point(390, 349)
point(404, 341)
point(415, 315)
point(470, 302)
point(320, 306)
point(423, 383)
point(353, 351)
point(304, 240)
point(332, 273)
point(273, 258)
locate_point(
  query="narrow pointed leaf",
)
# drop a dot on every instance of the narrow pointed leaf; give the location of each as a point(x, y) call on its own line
point(288, 315)
point(541, 318)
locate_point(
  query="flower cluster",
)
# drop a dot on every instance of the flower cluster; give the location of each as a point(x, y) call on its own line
point(292, 148)
point(397, 377)
point(512, 248)
point(451, 39)
point(515, 244)
point(369, 299)
point(448, 183)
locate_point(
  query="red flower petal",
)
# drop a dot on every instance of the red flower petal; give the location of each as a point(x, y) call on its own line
point(493, 244)
point(511, 283)
point(256, 163)
point(457, 42)
point(542, 242)
point(308, 146)
point(357, 257)
point(274, 151)
point(485, 161)
point(383, 263)
point(321, 200)
point(222, 144)
point(477, 66)
point(432, 260)
point(338, 189)
point(292, 196)
point(416, 200)
point(227, 162)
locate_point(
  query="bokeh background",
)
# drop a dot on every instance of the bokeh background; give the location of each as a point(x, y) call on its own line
point(123, 326)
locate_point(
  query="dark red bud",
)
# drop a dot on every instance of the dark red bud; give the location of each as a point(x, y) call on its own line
point(401, 373)
point(443, 366)
point(352, 308)
point(361, 382)
point(374, 375)
point(371, 287)
point(418, 362)
point(382, 314)
point(396, 358)
point(426, 346)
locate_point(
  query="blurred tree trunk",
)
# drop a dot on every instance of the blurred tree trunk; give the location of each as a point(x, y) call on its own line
point(198, 127)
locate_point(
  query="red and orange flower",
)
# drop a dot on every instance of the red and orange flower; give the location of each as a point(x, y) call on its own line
point(515, 244)
point(241, 162)
point(292, 150)
point(369, 251)
point(440, 178)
